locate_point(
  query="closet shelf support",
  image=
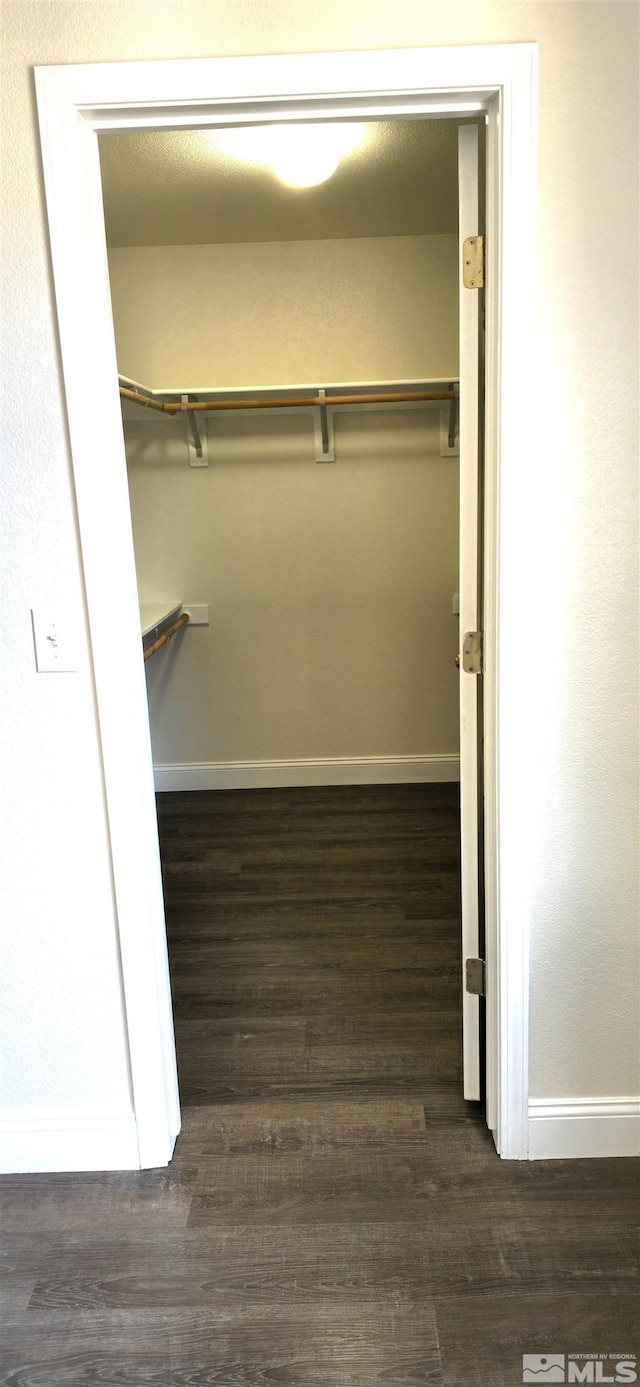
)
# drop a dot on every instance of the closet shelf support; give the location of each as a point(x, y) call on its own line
point(195, 432)
point(453, 419)
point(323, 429)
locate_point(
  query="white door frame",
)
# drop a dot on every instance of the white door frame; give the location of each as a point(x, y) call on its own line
point(469, 606)
point(76, 102)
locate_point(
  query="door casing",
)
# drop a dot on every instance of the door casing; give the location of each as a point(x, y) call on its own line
point(75, 103)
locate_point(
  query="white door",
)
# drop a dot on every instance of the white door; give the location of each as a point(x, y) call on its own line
point(469, 605)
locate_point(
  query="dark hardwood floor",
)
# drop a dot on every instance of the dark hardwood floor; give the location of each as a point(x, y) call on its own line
point(335, 1214)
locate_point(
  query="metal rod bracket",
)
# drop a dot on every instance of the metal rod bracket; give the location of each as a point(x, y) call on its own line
point(449, 427)
point(198, 456)
point(323, 430)
point(453, 414)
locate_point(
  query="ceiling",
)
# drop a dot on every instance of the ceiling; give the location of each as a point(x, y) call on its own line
point(174, 188)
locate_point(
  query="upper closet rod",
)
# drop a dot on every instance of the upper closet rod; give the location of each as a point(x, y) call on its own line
point(287, 402)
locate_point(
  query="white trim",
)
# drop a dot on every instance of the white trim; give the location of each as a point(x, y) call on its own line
point(469, 600)
point(73, 103)
point(342, 770)
point(509, 702)
point(583, 1127)
point(38, 1140)
point(494, 1082)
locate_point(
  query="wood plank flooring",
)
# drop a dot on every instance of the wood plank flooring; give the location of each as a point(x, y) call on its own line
point(335, 1214)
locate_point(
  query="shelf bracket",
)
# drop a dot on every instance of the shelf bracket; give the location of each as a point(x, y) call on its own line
point(323, 429)
point(453, 414)
point(197, 449)
point(449, 427)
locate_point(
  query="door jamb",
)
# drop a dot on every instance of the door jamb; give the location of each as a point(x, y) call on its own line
point(74, 103)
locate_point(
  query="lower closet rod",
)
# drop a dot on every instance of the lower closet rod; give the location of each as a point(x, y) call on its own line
point(398, 397)
point(166, 635)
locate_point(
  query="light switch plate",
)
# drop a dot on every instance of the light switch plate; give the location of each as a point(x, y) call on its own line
point(54, 641)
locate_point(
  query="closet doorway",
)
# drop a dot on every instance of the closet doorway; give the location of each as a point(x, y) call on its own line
point(333, 600)
point(67, 167)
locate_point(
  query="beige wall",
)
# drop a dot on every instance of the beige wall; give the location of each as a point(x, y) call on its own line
point(64, 1034)
point(281, 313)
point(329, 587)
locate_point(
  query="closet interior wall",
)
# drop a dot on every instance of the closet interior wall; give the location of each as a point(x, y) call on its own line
point(330, 588)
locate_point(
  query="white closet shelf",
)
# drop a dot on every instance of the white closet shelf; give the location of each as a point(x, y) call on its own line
point(270, 393)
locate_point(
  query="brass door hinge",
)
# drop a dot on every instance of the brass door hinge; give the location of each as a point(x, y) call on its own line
point(474, 976)
point(473, 262)
point(472, 653)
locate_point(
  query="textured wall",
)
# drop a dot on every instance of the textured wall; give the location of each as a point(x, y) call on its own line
point(329, 587)
point(581, 806)
point(287, 312)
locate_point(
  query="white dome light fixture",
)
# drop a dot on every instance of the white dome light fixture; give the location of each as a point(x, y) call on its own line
point(301, 156)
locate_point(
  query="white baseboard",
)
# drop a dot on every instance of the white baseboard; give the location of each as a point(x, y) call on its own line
point(586, 1127)
point(259, 775)
point(38, 1141)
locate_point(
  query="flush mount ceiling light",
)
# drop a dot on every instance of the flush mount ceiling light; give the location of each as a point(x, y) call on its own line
point(301, 156)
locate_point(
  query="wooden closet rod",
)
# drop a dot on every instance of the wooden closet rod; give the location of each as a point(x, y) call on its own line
point(166, 635)
point(286, 402)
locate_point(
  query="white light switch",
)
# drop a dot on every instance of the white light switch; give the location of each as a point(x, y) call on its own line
point(52, 637)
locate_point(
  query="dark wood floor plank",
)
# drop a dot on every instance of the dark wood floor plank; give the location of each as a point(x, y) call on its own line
point(241, 898)
point(324, 1072)
point(352, 954)
point(315, 1344)
point(249, 1057)
point(420, 1034)
point(391, 850)
point(231, 1269)
point(483, 1337)
point(401, 1185)
point(234, 1266)
point(67, 1201)
point(269, 1124)
point(21, 1259)
point(281, 923)
point(255, 992)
